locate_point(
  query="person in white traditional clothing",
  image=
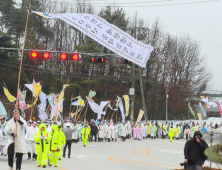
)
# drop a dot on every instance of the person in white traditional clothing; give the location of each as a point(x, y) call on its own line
point(113, 132)
point(128, 130)
point(123, 132)
point(109, 132)
point(106, 130)
point(28, 143)
point(145, 131)
point(15, 136)
point(75, 134)
point(101, 128)
point(3, 135)
point(29, 136)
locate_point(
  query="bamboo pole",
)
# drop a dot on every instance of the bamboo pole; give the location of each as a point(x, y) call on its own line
point(70, 106)
point(84, 115)
point(20, 68)
point(110, 110)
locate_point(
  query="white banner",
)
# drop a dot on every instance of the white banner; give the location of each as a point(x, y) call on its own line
point(202, 109)
point(107, 35)
point(122, 110)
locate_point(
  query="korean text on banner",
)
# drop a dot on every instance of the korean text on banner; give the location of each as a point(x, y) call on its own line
point(140, 115)
point(107, 35)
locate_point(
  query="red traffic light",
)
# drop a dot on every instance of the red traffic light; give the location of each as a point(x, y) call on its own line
point(94, 60)
point(34, 54)
point(46, 55)
point(63, 56)
point(75, 57)
point(103, 60)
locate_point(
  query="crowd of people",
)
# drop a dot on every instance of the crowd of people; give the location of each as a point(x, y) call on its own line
point(47, 142)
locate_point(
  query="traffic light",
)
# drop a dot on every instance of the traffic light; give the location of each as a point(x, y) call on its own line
point(63, 56)
point(123, 61)
point(34, 54)
point(97, 59)
point(101, 60)
point(46, 55)
point(93, 59)
point(75, 57)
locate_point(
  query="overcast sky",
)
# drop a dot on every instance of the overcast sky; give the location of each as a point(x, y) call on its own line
point(200, 19)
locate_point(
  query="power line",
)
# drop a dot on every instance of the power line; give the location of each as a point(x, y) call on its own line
point(188, 3)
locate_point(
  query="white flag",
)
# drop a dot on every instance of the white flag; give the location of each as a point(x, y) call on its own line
point(103, 104)
point(122, 110)
point(202, 109)
point(94, 106)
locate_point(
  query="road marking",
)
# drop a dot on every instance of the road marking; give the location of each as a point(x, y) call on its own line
point(60, 168)
point(127, 161)
point(148, 152)
point(135, 152)
point(80, 156)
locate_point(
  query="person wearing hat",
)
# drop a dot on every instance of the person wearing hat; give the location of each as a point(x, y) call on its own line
point(42, 145)
point(2, 134)
point(177, 132)
point(63, 140)
point(148, 129)
point(171, 133)
point(55, 146)
point(194, 152)
point(15, 136)
point(153, 131)
point(31, 131)
point(85, 134)
point(68, 136)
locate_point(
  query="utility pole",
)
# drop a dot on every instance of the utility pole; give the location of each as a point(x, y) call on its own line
point(133, 79)
point(166, 103)
point(142, 95)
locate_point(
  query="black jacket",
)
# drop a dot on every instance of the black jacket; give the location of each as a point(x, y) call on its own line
point(94, 130)
point(194, 151)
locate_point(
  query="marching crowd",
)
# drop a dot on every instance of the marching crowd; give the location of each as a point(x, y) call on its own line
point(46, 142)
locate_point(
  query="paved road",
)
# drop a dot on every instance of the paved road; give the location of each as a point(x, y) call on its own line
point(156, 154)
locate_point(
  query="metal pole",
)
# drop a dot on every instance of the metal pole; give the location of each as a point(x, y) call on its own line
point(166, 102)
point(211, 141)
point(133, 78)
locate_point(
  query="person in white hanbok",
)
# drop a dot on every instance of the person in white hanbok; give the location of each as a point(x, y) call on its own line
point(29, 136)
point(3, 136)
point(113, 132)
point(19, 136)
point(106, 131)
point(123, 132)
point(109, 132)
point(101, 132)
point(144, 131)
point(75, 134)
